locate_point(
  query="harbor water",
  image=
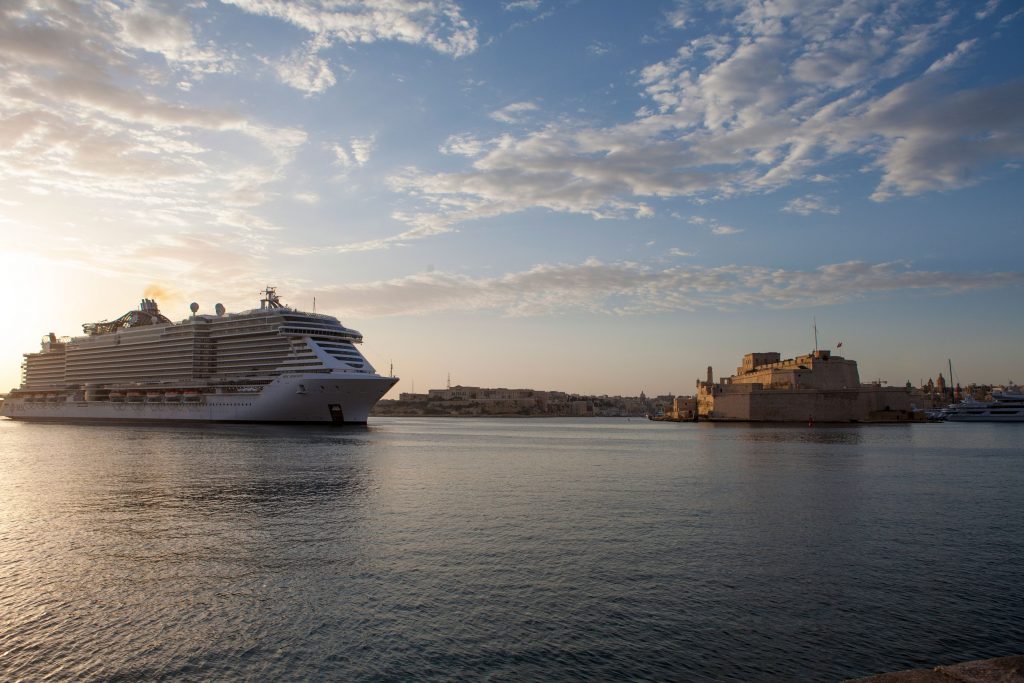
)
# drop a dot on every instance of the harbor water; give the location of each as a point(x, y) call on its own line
point(507, 549)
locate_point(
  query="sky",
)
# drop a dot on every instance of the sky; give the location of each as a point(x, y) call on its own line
point(590, 196)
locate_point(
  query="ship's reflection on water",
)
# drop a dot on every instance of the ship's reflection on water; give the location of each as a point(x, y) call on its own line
point(267, 470)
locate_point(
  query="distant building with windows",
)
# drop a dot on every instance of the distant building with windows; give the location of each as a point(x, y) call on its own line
point(473, 401)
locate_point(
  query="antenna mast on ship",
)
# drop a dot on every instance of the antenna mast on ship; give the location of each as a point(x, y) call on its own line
point(815, 334)
point(270, 298)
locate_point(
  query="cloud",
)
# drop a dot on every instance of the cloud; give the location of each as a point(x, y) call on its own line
point(513, 113)
point(78, 116)
point(676, 251)
point(356, 155)
point(1011, 16)
point(625, 288)
point(437, 24)
point(144, 25)
point(677, 16)
point(786, 89)
point(529, 5)
point(725, 230)
point(306, 71)
point(988, 9)
point(809, 204)
point(361, 148)
point(951, 58)
point(945, 145)
point(462, 145)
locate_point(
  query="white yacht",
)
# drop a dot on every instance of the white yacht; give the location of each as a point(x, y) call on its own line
point(1006, 406)
point(270, 364)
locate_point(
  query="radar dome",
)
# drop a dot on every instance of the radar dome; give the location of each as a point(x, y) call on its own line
point(194, 307)
point(220, 309)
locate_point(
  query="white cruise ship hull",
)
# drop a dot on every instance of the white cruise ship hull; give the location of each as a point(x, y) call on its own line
point(344, 398)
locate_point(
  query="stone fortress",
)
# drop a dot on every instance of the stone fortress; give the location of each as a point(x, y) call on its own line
point(817, 387)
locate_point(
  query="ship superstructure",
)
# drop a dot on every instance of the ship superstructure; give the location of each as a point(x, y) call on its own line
point(271, 364)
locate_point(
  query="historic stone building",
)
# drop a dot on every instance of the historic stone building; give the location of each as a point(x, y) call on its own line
point(818, 387)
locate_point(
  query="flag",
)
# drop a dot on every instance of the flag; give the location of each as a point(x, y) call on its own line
point(839, 345)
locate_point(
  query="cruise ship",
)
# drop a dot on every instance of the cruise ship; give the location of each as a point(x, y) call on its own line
point(270, 364)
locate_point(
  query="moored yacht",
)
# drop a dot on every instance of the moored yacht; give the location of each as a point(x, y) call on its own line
point(1006, 406)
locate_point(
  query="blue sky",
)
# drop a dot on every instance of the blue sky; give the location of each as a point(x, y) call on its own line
point(590, 196)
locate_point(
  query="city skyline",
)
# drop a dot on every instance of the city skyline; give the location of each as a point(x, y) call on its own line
point(593, 197)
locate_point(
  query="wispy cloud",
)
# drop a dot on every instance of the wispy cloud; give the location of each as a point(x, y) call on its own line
point(725, 230)
point(953, 57)
point(437, 24)
point(624, 288)
point(513, 113)
point(988, 9)
point(305, 70)
point(356, 154)
point(463, 145)
point(809, 204)
point(528, 5)
point(677, 16)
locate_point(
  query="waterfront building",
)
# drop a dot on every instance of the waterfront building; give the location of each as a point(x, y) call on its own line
point(815, 387)
point(475, 401)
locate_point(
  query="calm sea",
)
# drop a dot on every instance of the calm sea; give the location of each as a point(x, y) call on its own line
point(448, 549)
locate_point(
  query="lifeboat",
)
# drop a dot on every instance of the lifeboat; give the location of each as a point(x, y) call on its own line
point(116, 395)
point(172, 395)
point(154, 395)
point(191, 394)
point(135, 395)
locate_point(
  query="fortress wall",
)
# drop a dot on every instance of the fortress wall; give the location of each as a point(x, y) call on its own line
point(801, 405)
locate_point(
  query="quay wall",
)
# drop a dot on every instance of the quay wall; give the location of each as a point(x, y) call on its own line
point(749, 403)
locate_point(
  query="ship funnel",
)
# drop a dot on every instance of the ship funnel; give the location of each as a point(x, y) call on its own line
point(220, 309)
point(194, 307)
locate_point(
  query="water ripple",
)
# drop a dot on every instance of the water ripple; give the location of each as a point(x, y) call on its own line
point(506, 550)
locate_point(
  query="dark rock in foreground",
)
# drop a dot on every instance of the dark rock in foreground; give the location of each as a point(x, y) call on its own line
point(999, 670)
